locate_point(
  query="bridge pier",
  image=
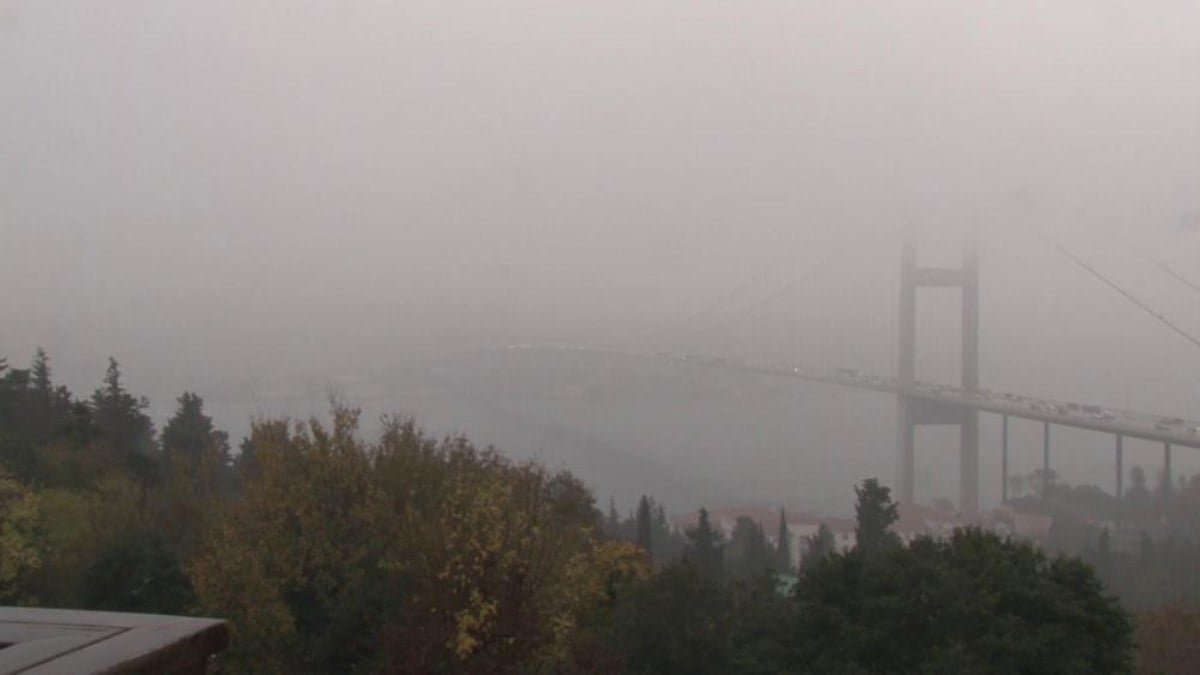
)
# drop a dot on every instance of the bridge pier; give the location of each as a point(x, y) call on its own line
point(1120, 462)
point(1167, 466)
point(1045, 458)
point(907, 441)
point(968, 466)
point(1004, 459)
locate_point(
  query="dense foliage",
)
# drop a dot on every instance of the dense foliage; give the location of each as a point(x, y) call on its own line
point(331, 553)
point(1145, 545)
point(973, 603)
point(405, 554)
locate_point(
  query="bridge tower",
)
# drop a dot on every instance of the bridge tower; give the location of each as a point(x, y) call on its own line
point(914, 411)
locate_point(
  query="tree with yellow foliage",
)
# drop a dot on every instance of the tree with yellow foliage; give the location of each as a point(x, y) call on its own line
point(19, 556)
point(407, 554)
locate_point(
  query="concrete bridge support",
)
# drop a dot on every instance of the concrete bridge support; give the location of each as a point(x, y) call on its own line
point(1004, 459)
point(914, 411)
point(1167, 466)
point(1045, 458)
point(1120, 464)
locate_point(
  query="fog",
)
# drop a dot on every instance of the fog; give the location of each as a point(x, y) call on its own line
point(267, 201)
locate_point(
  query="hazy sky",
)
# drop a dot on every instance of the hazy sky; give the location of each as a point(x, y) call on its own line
point(220, 190)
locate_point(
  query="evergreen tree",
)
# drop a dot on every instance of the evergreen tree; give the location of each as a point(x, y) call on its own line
point(668, 543)
point(876, 512)
point(747, 555)
point(680, 620)
point(629, 527)
point(1137, 482)
point(1163, 490)
point(138, 573)
point(119, 417)
point(195, 470)
point(644, 538)
point(191, 443)
point(41, 372)
point(818, 547)
point(971, 603)
point(122, 425)
point(51, 406)
point(612, 524)
point(1103, 554)
point(706, 549)
point(33, 415)
point(783, 545)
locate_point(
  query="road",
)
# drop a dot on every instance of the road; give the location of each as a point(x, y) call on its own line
point(1174, 431)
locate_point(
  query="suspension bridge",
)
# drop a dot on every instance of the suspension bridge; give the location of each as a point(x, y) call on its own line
point(921, 403)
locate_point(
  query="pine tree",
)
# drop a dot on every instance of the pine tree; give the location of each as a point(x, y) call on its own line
point(783, 545)
point(1103, 562)
point(706, 548)
point(748, 555)
point(41, 373)
point(668, 543)
point(818, 547)
point(119, 416)
point(613, 524)
point(121, 423)
point(644, 538)
point(191, 444)
point(876, 512)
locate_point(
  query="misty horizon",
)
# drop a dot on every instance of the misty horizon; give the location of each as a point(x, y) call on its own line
point(244, 199)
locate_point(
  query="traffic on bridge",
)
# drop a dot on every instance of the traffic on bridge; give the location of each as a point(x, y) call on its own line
point(1163, 429)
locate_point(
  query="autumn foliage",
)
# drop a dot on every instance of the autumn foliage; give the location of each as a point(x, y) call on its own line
point(405, 554)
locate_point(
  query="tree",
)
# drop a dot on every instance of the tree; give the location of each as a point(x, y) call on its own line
point(405, 555)
point(612, 522)
point(1163, 488)
point(783, 545)
point(820, 546)
point(1016, 486)
point(971, 603)
point(119, 417)
point(191, 444)
point(77, 527)
point(876, 512)
point(127, 432)
point(705, 548)
point(41, 372)
point(747, 555)
point(19, 551)
point(1137, 482)
point(678, 621)
point(138, 573)
point(644, 538)
point(668, 542)
point(189, 433)
point(1042, 482)
point(1103, 560)
point(306, 554)
point(33, 414)
point(195, 471)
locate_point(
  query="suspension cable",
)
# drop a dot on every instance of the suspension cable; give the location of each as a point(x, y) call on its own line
point(1113, 285)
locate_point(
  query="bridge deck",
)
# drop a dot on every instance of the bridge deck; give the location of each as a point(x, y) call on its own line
point(1145, 426)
